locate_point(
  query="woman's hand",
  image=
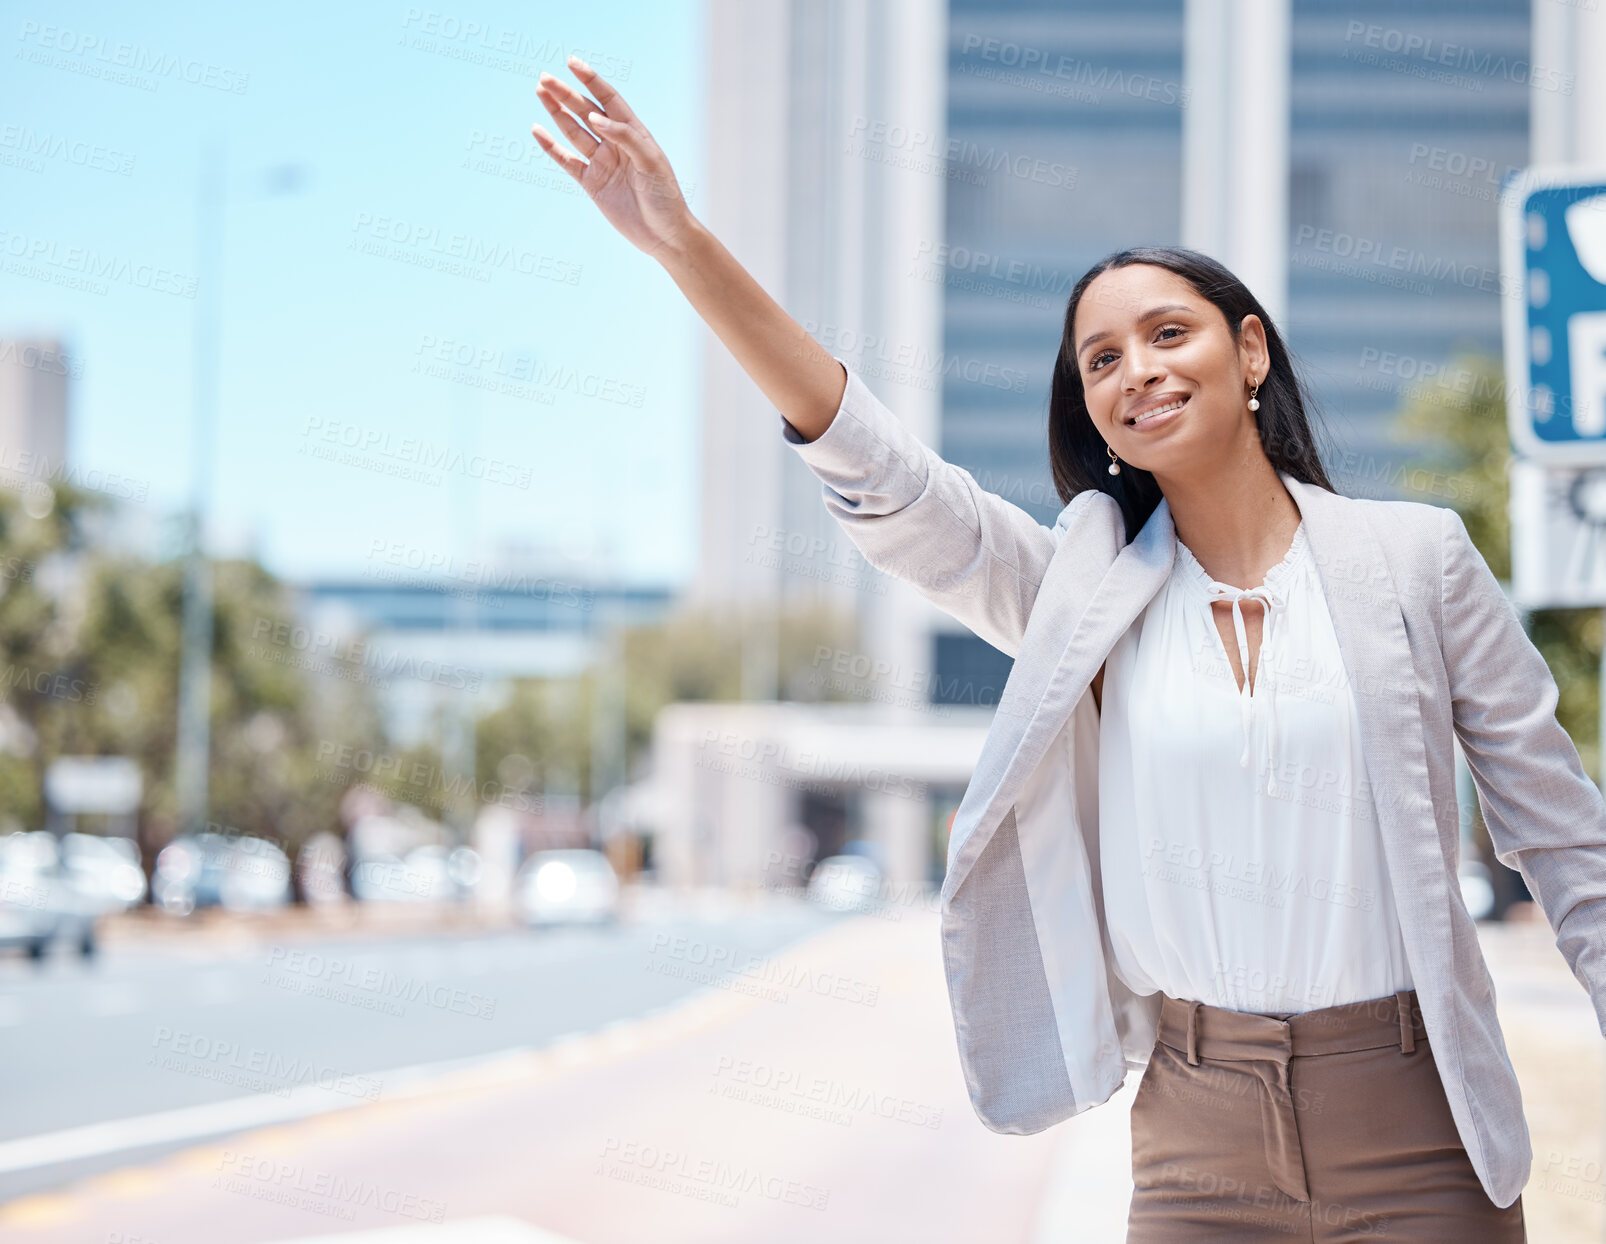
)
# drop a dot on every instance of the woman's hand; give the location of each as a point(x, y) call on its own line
point(627, 176)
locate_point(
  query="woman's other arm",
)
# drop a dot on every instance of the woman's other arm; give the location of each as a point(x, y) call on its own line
point(1546, 818)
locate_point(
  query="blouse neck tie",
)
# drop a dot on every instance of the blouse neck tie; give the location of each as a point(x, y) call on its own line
point(1274, 601)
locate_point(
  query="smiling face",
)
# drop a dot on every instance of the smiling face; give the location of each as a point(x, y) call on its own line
point(1165, 384)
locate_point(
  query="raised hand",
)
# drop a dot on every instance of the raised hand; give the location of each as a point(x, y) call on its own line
point(624, 170)
point(627, 175)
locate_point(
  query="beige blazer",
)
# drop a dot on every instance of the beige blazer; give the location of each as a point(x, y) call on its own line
point(1435, 652)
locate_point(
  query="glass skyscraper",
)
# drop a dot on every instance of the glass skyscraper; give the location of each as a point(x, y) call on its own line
point(1065, 143)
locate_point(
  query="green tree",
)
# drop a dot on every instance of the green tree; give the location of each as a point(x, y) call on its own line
point(42, 674)
point(90, 645)
point(539, 740)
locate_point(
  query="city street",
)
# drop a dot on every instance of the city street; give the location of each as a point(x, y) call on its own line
point(814, 1094)
point(537, 542)
point(190, 1022)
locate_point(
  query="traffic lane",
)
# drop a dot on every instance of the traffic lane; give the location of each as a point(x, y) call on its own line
point(149, 1030)
point(817, 1096)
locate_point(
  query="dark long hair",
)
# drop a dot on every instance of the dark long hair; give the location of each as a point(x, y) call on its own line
point(1078, 454)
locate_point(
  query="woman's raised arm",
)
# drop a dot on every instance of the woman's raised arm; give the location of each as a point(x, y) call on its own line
point(911, 514)
point(628, 177)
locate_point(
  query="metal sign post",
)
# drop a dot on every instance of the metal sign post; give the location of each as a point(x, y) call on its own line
point(1553, 273)
point(1553, 277)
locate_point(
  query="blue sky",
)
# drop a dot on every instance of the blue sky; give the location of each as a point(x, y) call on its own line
point(369, 398)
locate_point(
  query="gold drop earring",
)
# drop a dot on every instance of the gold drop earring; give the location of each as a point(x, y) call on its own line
point(1115, 463)
point(1254, 402)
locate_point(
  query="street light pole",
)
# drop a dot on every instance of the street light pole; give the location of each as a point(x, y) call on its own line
point(195, 667)
point(191, 777)
point(462, 750)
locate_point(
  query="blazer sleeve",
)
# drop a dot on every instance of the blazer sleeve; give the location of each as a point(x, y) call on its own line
point(1546, 818)
point(923, 520)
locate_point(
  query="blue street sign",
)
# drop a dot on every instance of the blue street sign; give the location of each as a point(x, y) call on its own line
point(1553, 278)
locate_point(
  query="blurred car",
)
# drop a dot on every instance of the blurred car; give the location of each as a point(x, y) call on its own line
point(569, 885)
point(1477, 888)
point(234, 871)
point(27, 872)
point(845, 883)
point(54, 890)
point(427, 873)
point(189, 872)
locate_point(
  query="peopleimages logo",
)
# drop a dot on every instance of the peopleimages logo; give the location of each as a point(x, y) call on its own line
point(359, 653)
point(951, 367)
point(95, 54)
point(385, 768)
point(954, 155)
point(1410, 46)
point(376, 444)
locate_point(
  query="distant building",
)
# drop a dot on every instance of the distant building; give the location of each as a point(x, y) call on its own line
point(820, 100)
point(1403, 121)
point(756, 794)
point(1065, 124)
point(456, 637)
point(34, 375)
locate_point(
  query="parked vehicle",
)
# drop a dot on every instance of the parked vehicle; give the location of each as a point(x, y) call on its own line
point(56, 890)
point(431, 873)
point(27, 867)
point(570, 885)
point(1477, 888)
point(233, 871)
point(845, 883)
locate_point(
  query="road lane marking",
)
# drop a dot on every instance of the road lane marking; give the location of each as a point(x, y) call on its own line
point(187, 1123)
point(569, 1051)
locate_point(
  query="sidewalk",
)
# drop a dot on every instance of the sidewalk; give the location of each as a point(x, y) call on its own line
point(1560, 1057)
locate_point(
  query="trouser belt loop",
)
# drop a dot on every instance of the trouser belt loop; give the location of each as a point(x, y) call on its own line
point(1193, 1032)
point(1402, 1000)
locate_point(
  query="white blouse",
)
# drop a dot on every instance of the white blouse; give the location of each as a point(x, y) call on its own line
point(1241, 859)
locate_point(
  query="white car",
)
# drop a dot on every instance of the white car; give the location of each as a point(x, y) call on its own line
point(237, 872)
point(845, 883)
point(567, 885)
point(428, 874)
point(1477, 888)
point(54, 889)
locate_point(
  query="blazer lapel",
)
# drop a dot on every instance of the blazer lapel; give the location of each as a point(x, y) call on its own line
point(1052, 673)
point(1363, 601)
point(1054, 670)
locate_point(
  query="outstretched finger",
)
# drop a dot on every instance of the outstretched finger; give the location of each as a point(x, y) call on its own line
point(615, 131)
point(584, 141)
point(570, 98)
point(612, 102)
point(571, 164)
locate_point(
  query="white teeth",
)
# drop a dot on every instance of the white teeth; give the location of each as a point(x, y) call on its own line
point(1159, 410)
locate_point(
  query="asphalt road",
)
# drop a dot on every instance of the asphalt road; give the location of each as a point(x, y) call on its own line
point(812, 1091)
point(147, 1030)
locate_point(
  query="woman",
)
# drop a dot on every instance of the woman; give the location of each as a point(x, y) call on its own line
point(1261, 779)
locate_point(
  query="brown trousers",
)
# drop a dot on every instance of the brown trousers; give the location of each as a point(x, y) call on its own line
point(1322, 1125)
